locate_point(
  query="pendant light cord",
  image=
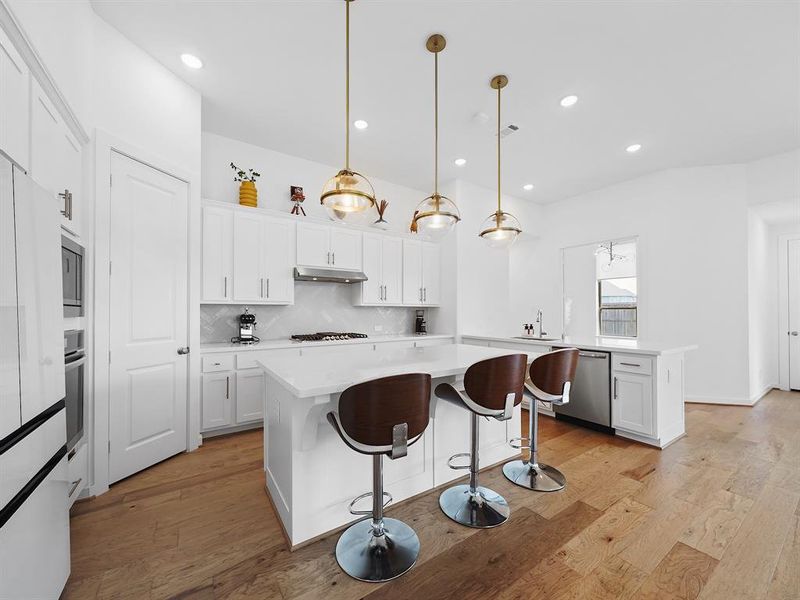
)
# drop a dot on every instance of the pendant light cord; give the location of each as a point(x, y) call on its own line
point(436, 125)
point(347, 87)
point(498, 156)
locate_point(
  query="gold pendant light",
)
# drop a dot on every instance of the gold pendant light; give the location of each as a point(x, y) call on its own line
point(348, 195)
point(436, 215)
point(500, 229)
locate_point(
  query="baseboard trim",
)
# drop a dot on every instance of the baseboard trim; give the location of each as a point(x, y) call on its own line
point(720, 401)
point(758, 396)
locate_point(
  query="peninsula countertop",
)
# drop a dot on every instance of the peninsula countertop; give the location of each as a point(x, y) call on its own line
point(600, 344)
point(290, 343)
point(319, 375)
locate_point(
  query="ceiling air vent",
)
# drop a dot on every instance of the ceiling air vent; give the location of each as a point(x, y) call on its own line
point(508, 130)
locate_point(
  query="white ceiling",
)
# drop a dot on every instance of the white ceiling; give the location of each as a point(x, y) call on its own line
point(694, 82)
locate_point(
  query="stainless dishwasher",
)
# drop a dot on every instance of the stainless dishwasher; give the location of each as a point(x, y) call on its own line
point(590, 395)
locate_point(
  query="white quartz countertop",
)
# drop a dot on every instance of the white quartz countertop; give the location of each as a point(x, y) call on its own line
point(318, 375)
point(290, 343)
point(594, 343)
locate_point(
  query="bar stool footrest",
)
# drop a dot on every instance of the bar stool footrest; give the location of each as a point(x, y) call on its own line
point(518, 443)
point(456, 457)
point(361, 497)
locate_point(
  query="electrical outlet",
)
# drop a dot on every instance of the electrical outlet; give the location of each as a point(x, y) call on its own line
point(378, 328)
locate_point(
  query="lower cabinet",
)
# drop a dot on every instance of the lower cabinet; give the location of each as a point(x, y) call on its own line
point(632, 402)
point(217, 404)
point(249, 395)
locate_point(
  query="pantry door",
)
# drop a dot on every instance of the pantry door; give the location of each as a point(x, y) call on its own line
point(148, 316)
point(794, 313)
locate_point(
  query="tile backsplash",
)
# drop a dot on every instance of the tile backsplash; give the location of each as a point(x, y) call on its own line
point(317, 307)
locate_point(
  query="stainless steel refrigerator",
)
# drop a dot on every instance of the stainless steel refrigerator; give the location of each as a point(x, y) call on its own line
point(34, 513)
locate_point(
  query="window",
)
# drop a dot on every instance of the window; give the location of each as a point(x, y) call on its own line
point(617, 307)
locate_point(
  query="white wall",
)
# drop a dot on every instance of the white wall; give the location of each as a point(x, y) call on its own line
point(762, 306)
point(692, 230)
point(774, 178)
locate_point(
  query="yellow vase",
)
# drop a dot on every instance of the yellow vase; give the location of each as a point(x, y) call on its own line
point(248, 194)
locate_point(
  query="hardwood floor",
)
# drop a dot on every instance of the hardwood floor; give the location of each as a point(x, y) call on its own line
point(714, 516)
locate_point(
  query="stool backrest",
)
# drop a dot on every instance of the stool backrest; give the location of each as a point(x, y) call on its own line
point(369, 411)
point(549, 372)
point(489, 382)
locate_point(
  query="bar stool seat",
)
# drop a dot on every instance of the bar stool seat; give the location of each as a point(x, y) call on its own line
point(380, 418)
point(551, 377)
point(492, 388)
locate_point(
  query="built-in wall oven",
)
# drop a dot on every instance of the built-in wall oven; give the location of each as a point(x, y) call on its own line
point(72, 277)
point(75, 369)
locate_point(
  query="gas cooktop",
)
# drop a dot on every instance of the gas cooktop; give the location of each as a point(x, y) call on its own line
point(327, 336)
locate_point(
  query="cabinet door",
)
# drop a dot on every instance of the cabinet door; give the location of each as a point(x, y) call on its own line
point(372, 288)
point(70, 178)
point(217, 394)
point(412, 272)
point(279, 248)
point(249, 283)
point(217, 254)
point(45, 141)
point(431, 273)
point(249, 395)
point(392, 270)
point(632, 402)
point(14, 103)
point(313, 245)
point(9, 334)
point(345, 249)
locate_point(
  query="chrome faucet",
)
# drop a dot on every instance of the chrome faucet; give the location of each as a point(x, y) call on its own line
point(539, 320)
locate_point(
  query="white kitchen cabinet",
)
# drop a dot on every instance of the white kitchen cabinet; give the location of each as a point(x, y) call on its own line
point(217, 254)
point(263, 259)
point(249, 395)
point(328, 247)
point(56, 158)
point(14, 103)
point(632, 402)
point(421, 273)
point(383, 265)
point(217, 400)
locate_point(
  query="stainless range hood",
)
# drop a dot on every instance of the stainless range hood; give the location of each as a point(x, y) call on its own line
point(328, 275)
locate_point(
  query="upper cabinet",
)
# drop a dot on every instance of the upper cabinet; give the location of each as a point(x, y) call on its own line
point(383, 266)
point(14, 103)
point(248, 257)
point(328, 246)
point(421, 273)
point(55, 158)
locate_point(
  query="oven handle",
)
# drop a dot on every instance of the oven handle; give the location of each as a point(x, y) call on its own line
point(75, 363)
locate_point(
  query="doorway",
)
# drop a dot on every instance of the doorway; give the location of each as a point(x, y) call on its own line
point(148, 316)
point(793, 311)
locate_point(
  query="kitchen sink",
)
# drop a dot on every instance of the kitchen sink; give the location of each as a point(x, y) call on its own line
point(538, 339)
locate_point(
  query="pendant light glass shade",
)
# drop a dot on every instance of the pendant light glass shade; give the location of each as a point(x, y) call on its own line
point(500, 229)
point(347, 196)
point(436, 215)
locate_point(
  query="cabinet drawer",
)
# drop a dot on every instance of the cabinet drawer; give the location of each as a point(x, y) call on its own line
point(247, 360)
point(217, 362)
point(632, 363)
point(435, 342)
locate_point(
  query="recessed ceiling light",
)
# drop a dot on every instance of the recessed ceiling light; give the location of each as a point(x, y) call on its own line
point(191, 61)
point(527, 187)
point(568, 100)
point(460, 162)
point(360, 124)
point(633, 148)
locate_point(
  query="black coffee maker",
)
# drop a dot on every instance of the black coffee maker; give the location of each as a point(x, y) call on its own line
point(247, 327)
point(420, 326)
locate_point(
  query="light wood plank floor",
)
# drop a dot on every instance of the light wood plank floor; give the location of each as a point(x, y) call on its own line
point(714, 516)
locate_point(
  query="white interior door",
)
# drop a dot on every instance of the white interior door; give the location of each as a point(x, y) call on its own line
point(148, 317)
point(794, 314)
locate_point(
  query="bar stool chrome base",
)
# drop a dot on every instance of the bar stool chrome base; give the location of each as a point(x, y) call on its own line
point(481, 510)
point(374, 558)
point(537, 477)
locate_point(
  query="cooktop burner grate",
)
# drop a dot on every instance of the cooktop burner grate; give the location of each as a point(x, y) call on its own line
point(327, 336)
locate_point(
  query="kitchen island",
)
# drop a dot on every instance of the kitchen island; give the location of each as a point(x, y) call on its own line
point(312, 476)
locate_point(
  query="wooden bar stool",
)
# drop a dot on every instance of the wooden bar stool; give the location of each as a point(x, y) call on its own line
point(493, 388)
point(551, 377)
point(381, 417)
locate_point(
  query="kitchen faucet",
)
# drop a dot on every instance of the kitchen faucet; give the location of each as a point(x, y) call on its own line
point(539, 320)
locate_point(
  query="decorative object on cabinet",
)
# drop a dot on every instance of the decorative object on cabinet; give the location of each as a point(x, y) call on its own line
point(500, 229)
point(436, 215)
point(247, 325)
point(382, 223)
point(297, 198)
point(248, 194)
point(420, 326)
point(348, 195)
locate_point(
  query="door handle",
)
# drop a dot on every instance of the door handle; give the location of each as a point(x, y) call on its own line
point(424, 294)
point(184, 350)
point(267, 287)
point(627, 364)
point(67, 196)
point(225, 287)
point(420, 294)
point(333, 257)
point(227, 388)
point(74, 487)
point(615, 388)
point(794, 333)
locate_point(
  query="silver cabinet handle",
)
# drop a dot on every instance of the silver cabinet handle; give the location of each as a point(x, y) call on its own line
point(262, 287)
point(630, 364)
point(794, 333)
point(227, 388)
point(333, 257)
point(615, 388)
point(424, 294)
point(267, 287)
point(216, 364)
point(183, 350)
point(225, 287)
point(74, 487)
point(67, 196)
point(420, 294)
point(385, 292)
